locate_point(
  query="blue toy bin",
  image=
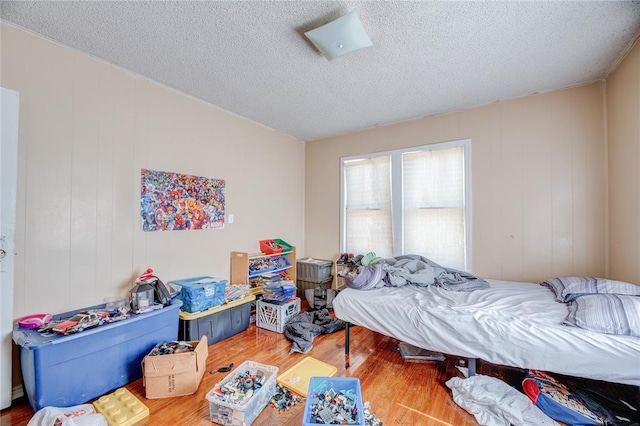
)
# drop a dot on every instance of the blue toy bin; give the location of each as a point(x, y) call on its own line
point(345, 385)
point(200, 293)
point(62, 371)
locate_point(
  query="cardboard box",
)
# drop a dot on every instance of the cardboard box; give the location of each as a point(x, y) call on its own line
point(177, 374)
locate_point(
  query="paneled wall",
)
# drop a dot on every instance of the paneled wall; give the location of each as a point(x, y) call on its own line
point(86, 130)
point(623, 125)
point(538, 182)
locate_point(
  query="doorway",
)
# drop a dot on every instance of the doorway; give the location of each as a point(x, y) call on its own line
point(8, 183)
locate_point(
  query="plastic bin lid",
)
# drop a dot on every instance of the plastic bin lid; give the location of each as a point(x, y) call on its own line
point(297, 378)
point(315, 261)
point(198, 281)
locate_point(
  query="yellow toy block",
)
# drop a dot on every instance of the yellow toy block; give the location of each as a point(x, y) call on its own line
point(121, 408)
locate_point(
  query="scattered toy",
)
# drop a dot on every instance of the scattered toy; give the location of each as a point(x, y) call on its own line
point(223, 369)
point(240, 387)
point(370, 418)
point(283, 398)
point(331, 407)
point(175, 347)
point(81, 321)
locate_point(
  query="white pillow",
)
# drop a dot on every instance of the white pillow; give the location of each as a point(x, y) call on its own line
point(606, 313)
point(568, 288)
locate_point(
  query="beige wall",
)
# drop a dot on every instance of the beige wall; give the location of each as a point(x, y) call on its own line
point(538, 182)
point(623, 125)
point(86, 130)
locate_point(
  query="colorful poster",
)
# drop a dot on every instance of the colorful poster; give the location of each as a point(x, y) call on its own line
point(174, 201)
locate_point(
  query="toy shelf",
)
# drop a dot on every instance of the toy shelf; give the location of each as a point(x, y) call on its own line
point(241, 273)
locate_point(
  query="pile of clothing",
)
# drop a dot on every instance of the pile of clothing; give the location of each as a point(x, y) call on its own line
point(375, 272)
point(302, 328)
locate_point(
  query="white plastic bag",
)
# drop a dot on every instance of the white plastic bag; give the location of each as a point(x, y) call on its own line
point(78, 415)
point(495, 403)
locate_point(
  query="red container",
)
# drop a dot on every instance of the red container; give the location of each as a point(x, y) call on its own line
point(270, 247)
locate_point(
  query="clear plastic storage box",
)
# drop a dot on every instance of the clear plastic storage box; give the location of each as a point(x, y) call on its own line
point(243, 413)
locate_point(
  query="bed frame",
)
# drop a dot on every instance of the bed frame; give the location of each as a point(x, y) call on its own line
point(512, 323)
point(471, 362)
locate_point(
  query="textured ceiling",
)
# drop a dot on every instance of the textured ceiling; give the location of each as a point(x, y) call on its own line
point(428, 57)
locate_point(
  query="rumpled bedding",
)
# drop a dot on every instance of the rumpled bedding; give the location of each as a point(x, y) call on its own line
point(302, 328)
point(412, 269)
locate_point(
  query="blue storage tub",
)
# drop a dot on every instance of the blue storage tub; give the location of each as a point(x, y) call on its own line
point(200, 293)
point(345, 385)
point(61, 371)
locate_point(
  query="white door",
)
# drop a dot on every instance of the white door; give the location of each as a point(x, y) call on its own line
point(8, 183)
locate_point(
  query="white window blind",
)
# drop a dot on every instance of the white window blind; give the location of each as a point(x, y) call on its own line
point(368, 206)
point(423, 203)
point(434, 205)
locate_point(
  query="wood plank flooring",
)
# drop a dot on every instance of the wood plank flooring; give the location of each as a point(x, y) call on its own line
point(400, 393)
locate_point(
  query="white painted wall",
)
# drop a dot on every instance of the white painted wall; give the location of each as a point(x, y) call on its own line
point(87, 128)
point(623, 125)
point(539, 182)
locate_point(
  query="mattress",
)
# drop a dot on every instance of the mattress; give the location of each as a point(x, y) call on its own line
point(511, 323)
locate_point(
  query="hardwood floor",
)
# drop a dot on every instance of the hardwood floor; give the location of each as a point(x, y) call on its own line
point(400, 393)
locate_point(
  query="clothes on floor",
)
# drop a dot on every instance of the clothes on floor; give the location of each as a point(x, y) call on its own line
point(302, 328)
point(495, 403)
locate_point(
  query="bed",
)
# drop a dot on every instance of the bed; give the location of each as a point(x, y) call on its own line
point(510, 323)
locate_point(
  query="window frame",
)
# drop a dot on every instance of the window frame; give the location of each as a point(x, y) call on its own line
point(397, 204)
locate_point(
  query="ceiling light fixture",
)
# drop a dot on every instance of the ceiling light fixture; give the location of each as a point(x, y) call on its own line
point(340, 37)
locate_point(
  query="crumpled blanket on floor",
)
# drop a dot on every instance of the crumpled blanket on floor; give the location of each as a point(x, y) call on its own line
point(302, 328)
point(495, 403)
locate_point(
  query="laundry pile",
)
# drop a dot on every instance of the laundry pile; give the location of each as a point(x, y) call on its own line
point(302, 328)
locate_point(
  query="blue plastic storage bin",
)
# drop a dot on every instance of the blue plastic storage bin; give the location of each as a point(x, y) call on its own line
point(62, 371)
point(200, 293)
point(345, 385)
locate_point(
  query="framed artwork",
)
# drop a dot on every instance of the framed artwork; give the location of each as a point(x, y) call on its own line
point(176, 202)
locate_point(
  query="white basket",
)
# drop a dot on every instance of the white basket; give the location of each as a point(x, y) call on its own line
point(274, 317)
point(245, 412)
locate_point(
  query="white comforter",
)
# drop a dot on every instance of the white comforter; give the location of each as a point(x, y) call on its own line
point(511, 323)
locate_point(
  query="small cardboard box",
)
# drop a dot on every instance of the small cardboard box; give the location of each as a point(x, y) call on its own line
point(177, 374)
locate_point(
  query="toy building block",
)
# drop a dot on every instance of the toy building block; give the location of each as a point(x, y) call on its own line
point(121, 408)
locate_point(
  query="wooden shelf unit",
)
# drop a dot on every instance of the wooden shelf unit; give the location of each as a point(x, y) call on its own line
point(240, 267)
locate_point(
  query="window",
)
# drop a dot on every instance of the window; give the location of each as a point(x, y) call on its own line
point(410, 201)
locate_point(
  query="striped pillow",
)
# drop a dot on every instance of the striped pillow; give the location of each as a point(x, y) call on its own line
point(606, 313)
point(568, 288)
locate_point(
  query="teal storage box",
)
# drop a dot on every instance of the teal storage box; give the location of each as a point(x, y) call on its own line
point(200, 293)
point(62, 371)
point(345, 389)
